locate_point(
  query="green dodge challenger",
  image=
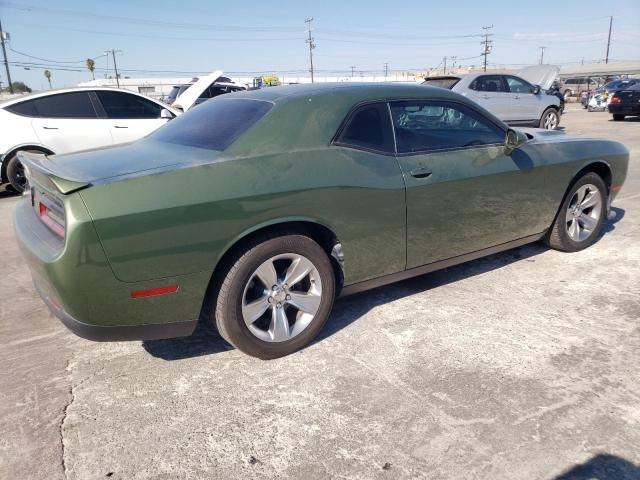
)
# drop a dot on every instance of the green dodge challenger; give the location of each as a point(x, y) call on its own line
point(255, 210)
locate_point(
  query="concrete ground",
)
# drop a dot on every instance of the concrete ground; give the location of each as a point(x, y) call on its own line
point(523, 365)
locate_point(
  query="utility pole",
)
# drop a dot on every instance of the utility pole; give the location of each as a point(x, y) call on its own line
point(353, 69)
point(542, 54)
point(312, 45)
point(444, 69)
point(486, 44)
point(4, 36)
point(606, 59)
point(386, 71)
point(115, 65)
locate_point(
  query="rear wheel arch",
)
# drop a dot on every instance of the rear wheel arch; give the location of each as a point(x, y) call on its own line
point(8, 156)
point(321, 234)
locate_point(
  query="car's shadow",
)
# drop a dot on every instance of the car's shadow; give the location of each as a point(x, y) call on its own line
point(627, 119)
point(603, 467)
point(7, 191)
point(205, 341)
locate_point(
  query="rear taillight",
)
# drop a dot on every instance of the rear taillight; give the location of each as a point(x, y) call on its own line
point(50, 212)
point(616, 100)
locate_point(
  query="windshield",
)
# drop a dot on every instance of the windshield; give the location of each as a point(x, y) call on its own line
point(213, 125)
point(447, 82)
point(175, 91)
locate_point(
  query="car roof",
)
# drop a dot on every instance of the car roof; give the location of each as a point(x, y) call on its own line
point(361, 90)
point(46, 93)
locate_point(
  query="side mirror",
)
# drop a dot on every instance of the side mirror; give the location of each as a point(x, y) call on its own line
point(514, 139)
point(164, 113)
point(536, 89)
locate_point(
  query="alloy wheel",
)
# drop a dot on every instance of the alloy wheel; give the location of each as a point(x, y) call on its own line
point(282, 297)
point(583, 213)
point(550, 120)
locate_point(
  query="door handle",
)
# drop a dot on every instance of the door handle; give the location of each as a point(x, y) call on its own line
point(50, 128)
point(420, 173)
point(120, 126)
point(517, 97)
point(486, 97)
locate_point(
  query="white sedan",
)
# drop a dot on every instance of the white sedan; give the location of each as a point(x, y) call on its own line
point(68, 120)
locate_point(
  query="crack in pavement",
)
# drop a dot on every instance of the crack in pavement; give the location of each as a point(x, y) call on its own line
point(63, 460)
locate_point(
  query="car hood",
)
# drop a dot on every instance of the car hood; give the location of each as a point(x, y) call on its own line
point(77, 170)
point(187, 99)
point(543, 75)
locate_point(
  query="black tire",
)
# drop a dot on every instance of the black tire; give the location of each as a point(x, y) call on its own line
point(547, 113)
point(558, 235)
point(15, 174)
point(618, 117)
point(228, 310)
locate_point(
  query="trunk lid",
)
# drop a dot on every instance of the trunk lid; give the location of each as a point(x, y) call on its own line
point(75, 171)
point(543, 75)
point(630, 95)
point(187, 99)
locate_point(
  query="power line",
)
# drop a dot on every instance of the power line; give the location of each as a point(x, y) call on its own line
point(48, 60)
point(144, 21)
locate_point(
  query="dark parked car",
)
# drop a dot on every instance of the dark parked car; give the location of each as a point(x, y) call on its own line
point(625, 103)
point(295, 195)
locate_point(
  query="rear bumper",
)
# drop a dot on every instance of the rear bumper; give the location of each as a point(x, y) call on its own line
point(622, 109)
point(117, 333)
point(77, 284)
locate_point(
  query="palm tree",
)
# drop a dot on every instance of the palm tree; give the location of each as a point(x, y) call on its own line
point(91, 66)
point(47, 74)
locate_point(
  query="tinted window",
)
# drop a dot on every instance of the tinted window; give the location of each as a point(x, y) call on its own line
point(213, 125)
point(488, 83)
point(27, 108)
point(517, 85)
point(426, 125)
point(124, 105)
point(369, 127)
point(61, 105)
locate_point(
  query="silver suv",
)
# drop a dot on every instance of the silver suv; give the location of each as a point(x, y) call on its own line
point(511, 98)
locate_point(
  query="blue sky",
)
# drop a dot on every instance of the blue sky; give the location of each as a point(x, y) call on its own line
point(243, 36)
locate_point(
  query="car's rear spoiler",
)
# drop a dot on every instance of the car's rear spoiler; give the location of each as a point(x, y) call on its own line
point(38, 169)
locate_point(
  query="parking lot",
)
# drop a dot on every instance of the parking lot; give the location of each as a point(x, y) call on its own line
point(523, 365)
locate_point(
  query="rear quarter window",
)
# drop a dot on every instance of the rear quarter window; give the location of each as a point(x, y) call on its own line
point(213, 125)
point(441, 82)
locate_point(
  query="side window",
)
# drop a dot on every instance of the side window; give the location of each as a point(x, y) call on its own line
point(368, 127)
point(126, 106)
point(517, 85)
point(423, 125)
point(488, 83)
point(61, 105)
point(28, 108)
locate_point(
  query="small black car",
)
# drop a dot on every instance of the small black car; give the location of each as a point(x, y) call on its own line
point(625, 102)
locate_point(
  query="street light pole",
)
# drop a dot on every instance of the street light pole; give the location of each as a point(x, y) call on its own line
point(4, 53)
